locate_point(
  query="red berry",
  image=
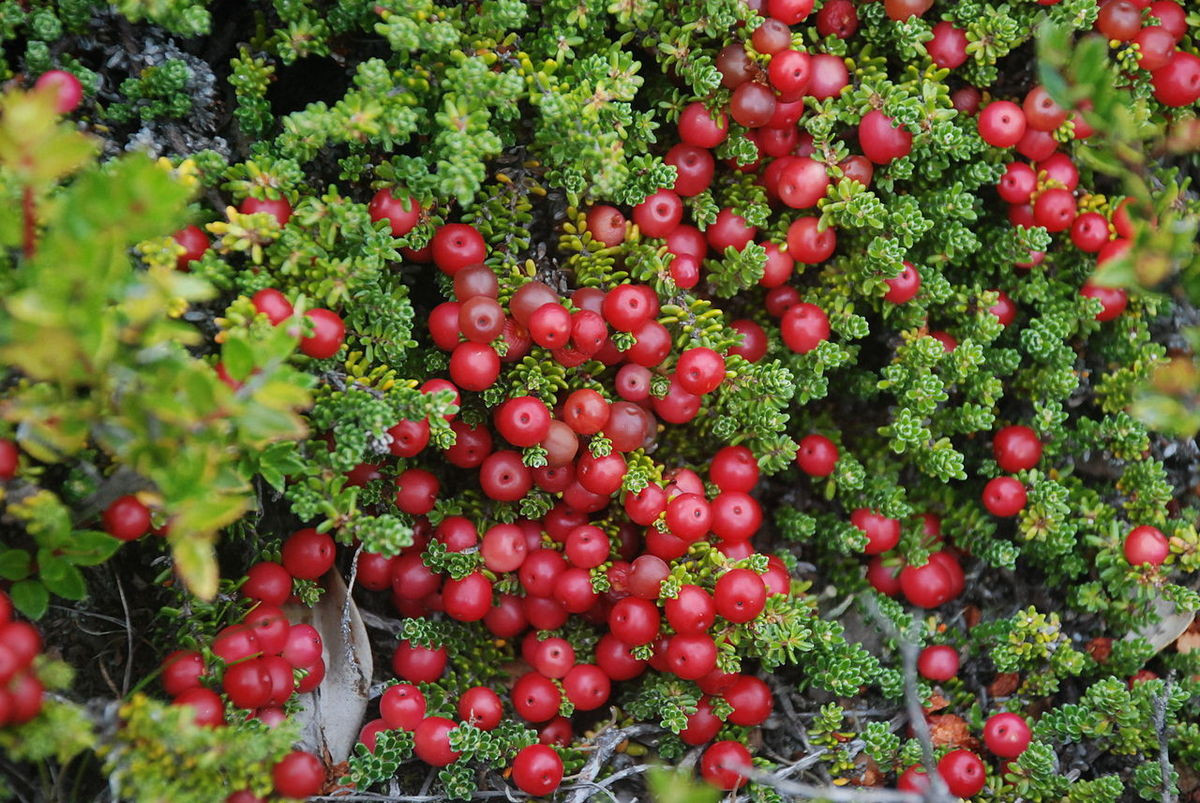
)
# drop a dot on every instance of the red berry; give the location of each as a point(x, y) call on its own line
point(789, 12)
point(938, 662)
point(881, 139)
point(697, 127)
point(658, 214)
point(739, 595)
point(1177, 83)
point(418, 664)
point(723, 762)
point(481, 707)
point(904, 288)
point(126, 518)
point(456, 245)
point(1054, 209)
point(837, 18)
point(9, 459)
point(882, 532)
point(1146, 544)
point(273, 304)
point(402, 706)
point(1089, 232)
point(901, 10)
point(752, 105)
point(431, 741)
point(537, 770)
point(1002, 124)
point(278, 208)
point(948, 47)
point(194, 242)
point(401, 214)
point(803, 327)
point(789, 72)
point(751, 700)
point(884, 578)
point(1016, 448)
point(606, 224)
point(206, 705)
point(1113, 300)
point(474, 366)
point(587, 687)
point(181, 670)
point(634, 621)
point(64, 86)
point(1042, 112)
point(535, 697)
point(926, 586)
point(963, 773)
point(1004, 497)
point(1007, 735)
point(328, 334)
point(702, 725)
point(1018, 183)
point(807, 244)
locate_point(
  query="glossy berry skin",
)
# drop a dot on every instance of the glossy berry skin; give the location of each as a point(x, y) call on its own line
point(700, 370)
point(634, 621)
point(328, 334)
point(481, 707)
point(278, 208)
point(194, 242)
point(431, 741)
point(658, 214)
point(803, 327)
point(882, 532)
point(963, 773)
point(298, 775)
point(696, 126)
point(535, 697)
point(702, 725)
point(1113, 300)
point(273, 304)
point(1006, 734)
point(807, 244)
point(126, 518)
point(474, 366)
point(734, 468)
point(418, 664)
point(1054, 209)
point(402, 706)
point(751, 700)
point(904, 288)
point(754, 340)
point(1016, 448)
point(1177, 83)
point(1004, 497)
point(739, 595)
point(1089, 232)
point(65, 87)
point(9, 459)
point(587, 687)
point(1005, 309)
point(816, 455)
point(691, 611)
point(1146, 544)
point(308, 554)
point(537, 770)
point(1017, 184)
point(181, 670)
point(926, 586)
point(457, 245)
point(938, 662)
point(401, 214)
point(948, 48)
point(1002, 124)
point(721, 763)
point(523, 421)
point(881, 140)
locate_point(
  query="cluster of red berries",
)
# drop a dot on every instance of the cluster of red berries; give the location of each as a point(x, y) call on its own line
point(1006, 735)
point(20, 690)
point(262, 660)
point(935, 583)
point(557, 581)
point(1016, 448)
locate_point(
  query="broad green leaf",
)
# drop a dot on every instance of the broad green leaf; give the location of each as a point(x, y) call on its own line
point(238, 358)
point(30, 598)
point(61, 577)
point(90, 547)
point(14, 564)
point(196, 562)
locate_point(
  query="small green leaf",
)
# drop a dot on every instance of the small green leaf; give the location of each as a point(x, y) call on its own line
point(30, 598)
point(61, 577)
point(14, 564)
point(238, 358)
point(90, 547)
